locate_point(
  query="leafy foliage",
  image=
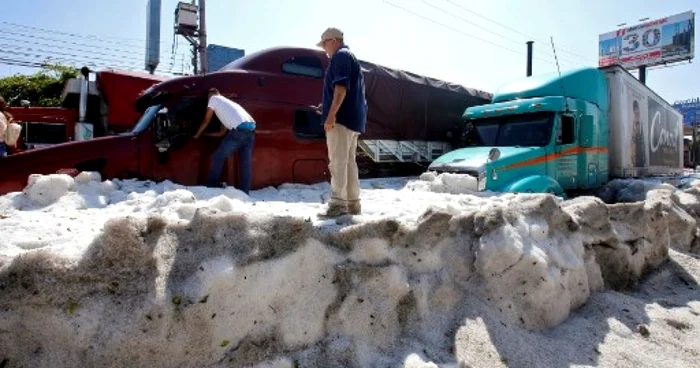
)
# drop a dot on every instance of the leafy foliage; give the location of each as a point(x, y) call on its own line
point(42, 88)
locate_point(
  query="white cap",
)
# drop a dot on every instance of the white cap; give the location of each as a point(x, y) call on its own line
point(330, 34)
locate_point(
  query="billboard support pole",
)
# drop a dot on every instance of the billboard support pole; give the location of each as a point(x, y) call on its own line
point(643, 74)
point(695, 141)
point(528, 70)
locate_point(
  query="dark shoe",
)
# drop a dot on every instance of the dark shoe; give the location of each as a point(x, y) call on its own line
point(354, 208)
point(333, 211)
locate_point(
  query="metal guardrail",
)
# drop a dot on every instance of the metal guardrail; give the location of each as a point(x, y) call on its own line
point(403, 151)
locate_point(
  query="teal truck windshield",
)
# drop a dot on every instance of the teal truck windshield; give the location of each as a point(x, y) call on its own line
point(526, 130)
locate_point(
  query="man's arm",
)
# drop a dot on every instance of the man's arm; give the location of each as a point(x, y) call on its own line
point(222, 132)
point(339, 92)
point(205, 123)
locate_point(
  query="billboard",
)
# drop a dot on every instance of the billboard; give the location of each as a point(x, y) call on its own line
point(651, 43)
point(219, 56)
point(690, 110)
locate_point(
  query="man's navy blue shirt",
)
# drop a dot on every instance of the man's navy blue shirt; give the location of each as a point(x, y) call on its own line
point(344, 69)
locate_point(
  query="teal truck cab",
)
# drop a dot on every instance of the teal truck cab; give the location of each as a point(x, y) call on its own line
point(567, 132)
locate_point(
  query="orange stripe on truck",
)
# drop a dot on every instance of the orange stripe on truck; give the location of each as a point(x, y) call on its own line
point(554, 156)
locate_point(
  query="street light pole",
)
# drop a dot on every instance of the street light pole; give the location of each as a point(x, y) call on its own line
point(203, 60)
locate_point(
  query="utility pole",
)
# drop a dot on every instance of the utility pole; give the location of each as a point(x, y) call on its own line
point(194, 31)
point(203, 60)
point(195, 64)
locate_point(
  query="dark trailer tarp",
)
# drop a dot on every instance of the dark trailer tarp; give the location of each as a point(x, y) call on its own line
point(407, 106)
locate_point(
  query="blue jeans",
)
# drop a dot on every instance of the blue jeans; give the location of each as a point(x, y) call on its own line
point(232, 142)
point(3, 149)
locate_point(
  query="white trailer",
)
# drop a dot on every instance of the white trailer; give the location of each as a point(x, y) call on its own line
point(646, 132)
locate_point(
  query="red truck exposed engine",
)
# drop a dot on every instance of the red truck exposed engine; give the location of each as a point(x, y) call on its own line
point(109, 107)
point(411, 119)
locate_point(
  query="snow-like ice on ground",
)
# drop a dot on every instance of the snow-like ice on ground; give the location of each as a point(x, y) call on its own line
point(129, 273)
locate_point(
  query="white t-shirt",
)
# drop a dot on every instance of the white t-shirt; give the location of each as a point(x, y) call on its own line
point(230, 113)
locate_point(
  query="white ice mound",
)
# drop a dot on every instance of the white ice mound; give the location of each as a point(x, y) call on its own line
point(86, 190)
point(276, 292)
point(226, 288)
point(445, 183)
point(47, 189)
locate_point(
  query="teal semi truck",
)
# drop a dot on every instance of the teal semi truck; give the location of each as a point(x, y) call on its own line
point(569, 131)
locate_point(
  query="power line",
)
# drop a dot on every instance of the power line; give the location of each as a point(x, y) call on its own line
point(36, 65)
point(122, 53)
point(51, 53)
point(41, 60)
point(23, 43)
point(39, 65)
point(3, 31)
point(101, 38)
point(507, 27)
point(487, 30)
point(460, 31)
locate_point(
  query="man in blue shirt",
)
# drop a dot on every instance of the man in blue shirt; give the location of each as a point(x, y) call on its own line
point(344, 113)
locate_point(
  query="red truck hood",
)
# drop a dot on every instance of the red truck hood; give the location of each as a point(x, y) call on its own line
point(190, 85)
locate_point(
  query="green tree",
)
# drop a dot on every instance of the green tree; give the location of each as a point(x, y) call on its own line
point(42, 88)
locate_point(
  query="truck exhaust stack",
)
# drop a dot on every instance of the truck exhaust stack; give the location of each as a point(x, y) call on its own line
point(83, 129)
point(84, 85)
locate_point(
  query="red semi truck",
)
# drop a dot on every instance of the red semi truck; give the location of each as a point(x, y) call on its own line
point(411, 119)
point(109, 107)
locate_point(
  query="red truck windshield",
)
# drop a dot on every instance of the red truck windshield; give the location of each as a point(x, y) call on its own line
point(527, 130)
point(146, 118)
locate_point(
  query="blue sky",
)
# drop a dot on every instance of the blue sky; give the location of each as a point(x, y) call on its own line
point(480, 44)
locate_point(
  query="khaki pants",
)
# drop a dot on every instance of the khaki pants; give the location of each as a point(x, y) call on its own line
point(345, 179)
